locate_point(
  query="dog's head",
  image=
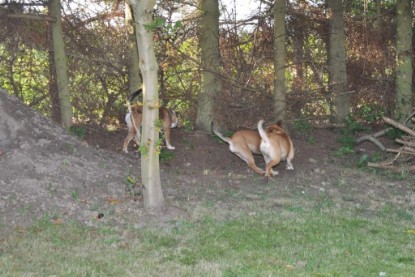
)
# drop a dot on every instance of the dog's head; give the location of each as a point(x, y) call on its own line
point(275, 128)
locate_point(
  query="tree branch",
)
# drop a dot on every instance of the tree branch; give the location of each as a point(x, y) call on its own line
point(30, 16)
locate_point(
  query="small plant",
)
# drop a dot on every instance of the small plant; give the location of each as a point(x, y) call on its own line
point(347, 139)
point(78, 131)
point(132, 186)
point(363, 160)
point(158, 124)
point(395, 133)
point(370, 113)
point(166, 155)
point(344, 150)
point(130, 183)
point(303, 128)
point(144, 149)
point(189, 144)
point(187, 126)
point(75, 196)
point(352, 126)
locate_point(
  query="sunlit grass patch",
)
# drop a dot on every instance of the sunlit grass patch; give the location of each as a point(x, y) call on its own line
point(303, 242)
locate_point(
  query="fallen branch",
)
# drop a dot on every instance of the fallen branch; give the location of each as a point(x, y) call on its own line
point(399, 126)
point(392, 167)
point(401, 151)
point(373, 138)
point(408, 147)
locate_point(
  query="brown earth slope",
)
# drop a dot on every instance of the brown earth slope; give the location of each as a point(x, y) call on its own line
point(45, 172)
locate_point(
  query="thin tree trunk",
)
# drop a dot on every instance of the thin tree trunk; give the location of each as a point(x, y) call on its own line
point(403, 82)
point(150, 145)
point(61, 64)
point(53, 86)
point(134, 79)
point(280, 102)
point(298, 78)
point(337, 60)
point(211, 84)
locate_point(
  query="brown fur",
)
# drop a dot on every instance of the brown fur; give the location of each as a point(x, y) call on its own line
point(168, 118)
point(276, 145)
point(243, 143)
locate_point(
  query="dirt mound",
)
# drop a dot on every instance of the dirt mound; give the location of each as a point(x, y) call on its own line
point(45, 171)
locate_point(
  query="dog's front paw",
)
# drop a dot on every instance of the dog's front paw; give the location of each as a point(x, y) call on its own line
point(171, 147)
point(125, 151)
point(290, 166)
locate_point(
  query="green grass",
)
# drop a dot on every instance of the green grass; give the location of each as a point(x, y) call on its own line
point(295, 240)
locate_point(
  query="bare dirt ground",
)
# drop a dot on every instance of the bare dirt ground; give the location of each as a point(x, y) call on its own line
point(47, 173)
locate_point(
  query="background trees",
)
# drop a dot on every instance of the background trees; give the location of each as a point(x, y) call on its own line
point(210, 82)
point(60, 64)
point(280, 99)
point(96, 40)
point(404, 93)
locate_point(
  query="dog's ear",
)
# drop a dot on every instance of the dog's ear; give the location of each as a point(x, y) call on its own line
point(279, 123)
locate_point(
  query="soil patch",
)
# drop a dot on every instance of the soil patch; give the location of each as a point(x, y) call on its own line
point(48, 173)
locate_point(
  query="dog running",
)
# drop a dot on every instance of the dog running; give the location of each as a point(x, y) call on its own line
point(276, 145)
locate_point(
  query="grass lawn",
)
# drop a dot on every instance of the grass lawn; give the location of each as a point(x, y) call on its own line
point(312, 238)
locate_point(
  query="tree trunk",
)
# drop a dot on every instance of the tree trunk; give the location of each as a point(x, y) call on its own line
point(337, 61)
point(403, 77)
point(280, 102)
point(150, 145)
point(134, 79)
point(60, 64)
point(53, 86)
point(298, 78)
point(211, 84)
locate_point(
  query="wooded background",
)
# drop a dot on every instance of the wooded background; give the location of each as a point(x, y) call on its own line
point(96, 42)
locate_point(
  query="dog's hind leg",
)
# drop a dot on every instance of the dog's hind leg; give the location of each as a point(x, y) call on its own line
point(289, 165)
point(137, 137)
point(289, 159)
point(247, 157)
point(274, 172)
point(130, 136)
point(255, 168)
point(167, 137)
point(269, 166)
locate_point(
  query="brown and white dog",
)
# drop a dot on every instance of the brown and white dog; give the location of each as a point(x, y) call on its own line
point(276, 145)
point(134, 118)
point(243, 143)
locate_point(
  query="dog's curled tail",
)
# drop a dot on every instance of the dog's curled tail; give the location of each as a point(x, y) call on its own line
point(261, 130)
point(216, 132)
point(135, 94)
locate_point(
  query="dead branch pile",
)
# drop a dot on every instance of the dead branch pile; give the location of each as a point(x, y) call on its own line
point(405, 155)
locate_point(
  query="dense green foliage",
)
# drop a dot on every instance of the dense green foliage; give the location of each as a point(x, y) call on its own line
point(96, 47)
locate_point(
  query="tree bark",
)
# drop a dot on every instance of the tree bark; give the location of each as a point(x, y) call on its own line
point(403, 81)
point(337, 61)
point(61, 64)
point(150, 145)
point(134, 79)
point(53, 86)
point(211, 84)
point(280, 102)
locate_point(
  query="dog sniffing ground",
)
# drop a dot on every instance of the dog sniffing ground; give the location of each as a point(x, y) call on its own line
point(46, 173)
